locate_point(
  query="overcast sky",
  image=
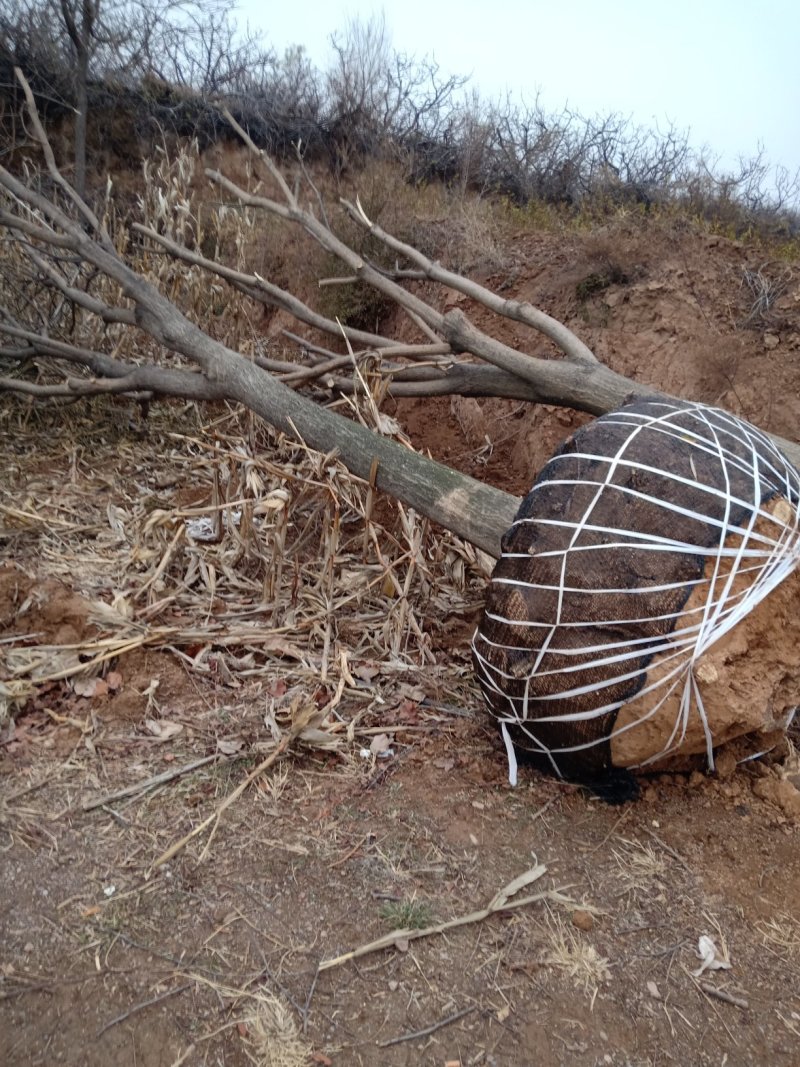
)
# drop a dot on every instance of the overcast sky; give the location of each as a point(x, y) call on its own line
point(728, 71)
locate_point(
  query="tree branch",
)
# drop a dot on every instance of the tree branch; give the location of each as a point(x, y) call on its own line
point(520, 311)
point(80, 204)
point(584, 376)
point(474, 511)
point(80, 297)
point(264, 292)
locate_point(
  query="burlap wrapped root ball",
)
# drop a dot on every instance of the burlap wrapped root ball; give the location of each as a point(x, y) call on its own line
point(645, 607)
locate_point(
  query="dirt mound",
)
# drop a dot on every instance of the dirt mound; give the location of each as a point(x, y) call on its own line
point(44, 609)
point(665, 305)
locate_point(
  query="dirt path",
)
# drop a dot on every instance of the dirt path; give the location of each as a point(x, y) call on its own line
point(105, 961)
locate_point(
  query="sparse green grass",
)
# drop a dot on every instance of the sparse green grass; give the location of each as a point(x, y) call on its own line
point(406, 914)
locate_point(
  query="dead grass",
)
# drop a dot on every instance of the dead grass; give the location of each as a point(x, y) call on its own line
point(273, 1038)
point(782, 934)
point(639, 864)
point(254, 562)
point(572, 953)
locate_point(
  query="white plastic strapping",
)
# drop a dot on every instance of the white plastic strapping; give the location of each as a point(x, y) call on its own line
point(691, 470)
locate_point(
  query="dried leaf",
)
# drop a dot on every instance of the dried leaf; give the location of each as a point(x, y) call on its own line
point(284, 647)
point(414, 693)
point(319, 738)
point(712, 959)
point(388, 426)
point(116, 520)
point(163, 729)
point(407, 712)
point(366, 671)
point(230, 746)
point(114, 680)
point(90, 687)
point(380, 744)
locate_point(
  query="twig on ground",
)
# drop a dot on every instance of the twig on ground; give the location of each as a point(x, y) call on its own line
point(669, 851)
point(173, 850)
point(149, 783)
point(500, 902)
point(307, 1005)
point(428, 1029)
point(721, 994)
point(547, 804)
point(144, 1004)
point(184, 1056)
point(612, 831)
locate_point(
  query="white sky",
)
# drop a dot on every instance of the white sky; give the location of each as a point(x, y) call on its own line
point(728, 70)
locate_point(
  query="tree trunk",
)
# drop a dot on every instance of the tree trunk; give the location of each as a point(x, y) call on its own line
point(81, 123)
point(80, 27)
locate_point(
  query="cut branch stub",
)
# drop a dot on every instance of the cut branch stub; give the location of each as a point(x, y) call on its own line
point(632, 583)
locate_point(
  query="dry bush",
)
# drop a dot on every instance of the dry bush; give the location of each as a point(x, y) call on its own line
point(765, 286)
point(371, 104)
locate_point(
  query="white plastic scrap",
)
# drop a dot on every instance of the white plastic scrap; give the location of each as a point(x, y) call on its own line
point(204, 529)
point(712, 958)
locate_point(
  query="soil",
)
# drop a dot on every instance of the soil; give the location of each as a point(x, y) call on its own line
point(212, 957)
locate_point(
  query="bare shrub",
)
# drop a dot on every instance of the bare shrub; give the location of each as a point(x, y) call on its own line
point(148, 66)
point(765, 289)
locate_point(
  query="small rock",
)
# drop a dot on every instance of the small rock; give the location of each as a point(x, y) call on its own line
point(725, 764)
point(696, 779)
point(771, 340)
point(583, 920)
point(731, 790)
point(781, 793)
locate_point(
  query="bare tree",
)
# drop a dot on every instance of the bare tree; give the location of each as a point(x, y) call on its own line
point(78, 52)
point(71, 258)
point(379, 99)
